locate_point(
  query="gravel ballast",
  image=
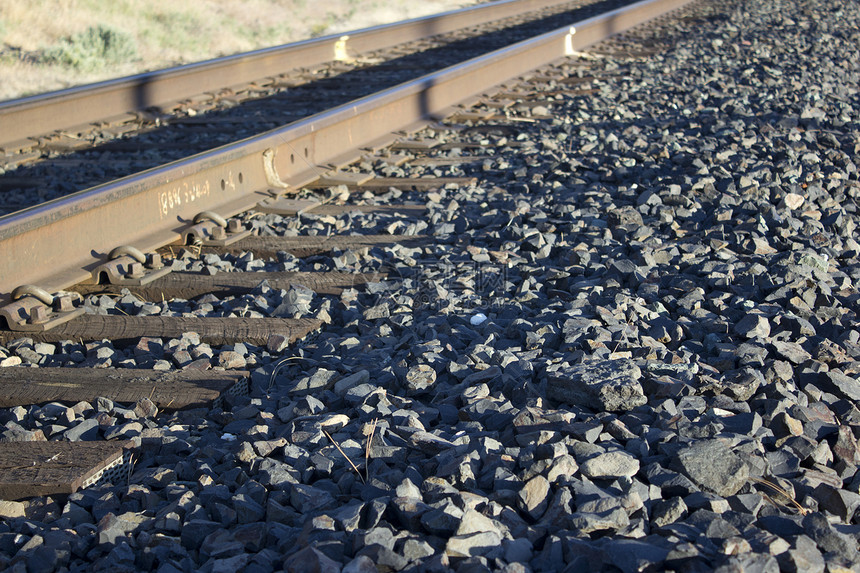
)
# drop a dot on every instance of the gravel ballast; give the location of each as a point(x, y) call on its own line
point(632, 348)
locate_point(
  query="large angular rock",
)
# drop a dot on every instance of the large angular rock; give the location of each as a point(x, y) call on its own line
point(111, 529)
point(84, 431)
point(385, 558)
point(610, 520)
point(534, 497)
point(310, 559)
point(606, 385)
point(711, 465)
point(668, 511)
point(475, 522)
point(11, 509)
point(612, 465)
point(839, 383)
point(804, 557)
point(306, 498)
point(481, 543)
point(194, 531)
point(828, 539)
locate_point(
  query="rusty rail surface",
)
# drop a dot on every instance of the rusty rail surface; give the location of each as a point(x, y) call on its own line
point(59, 243)
point(37, 115)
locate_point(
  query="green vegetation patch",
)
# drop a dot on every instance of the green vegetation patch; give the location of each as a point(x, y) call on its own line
point(91, 49)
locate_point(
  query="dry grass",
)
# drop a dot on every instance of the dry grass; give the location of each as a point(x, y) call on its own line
point(780, 497)
point(368, 446)
point(168, 33)
point(369, 431)
point(343, 453)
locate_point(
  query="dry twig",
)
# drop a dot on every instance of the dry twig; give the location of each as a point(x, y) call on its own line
point(368, 446)
point(346, 457)
point(790, 501)
point(280, 364)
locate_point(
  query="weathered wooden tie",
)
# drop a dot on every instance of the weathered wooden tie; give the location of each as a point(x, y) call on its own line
point(310, 245)
point(448, 161)
point(287, 207)
point(414, 183)
point(191, 285)
point(29, 469)
point(475, 115)
point(415, 144)
point(370, 183)
point(408, 210)
point(293, 207)
point(212, 330)
point(169, 390)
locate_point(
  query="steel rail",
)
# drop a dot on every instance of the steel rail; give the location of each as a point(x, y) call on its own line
point(151, 209)
point(33, 116)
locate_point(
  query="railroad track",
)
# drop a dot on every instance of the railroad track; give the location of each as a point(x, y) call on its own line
point(76, 139)
point(274, 164)
point(95, 265)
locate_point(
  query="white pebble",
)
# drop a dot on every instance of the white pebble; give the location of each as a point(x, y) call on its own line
point(478, 319)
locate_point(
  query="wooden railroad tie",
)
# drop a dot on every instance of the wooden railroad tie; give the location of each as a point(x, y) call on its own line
point(191, 285)
point(311, 245)
point(367, 182)
point(29, 469)
point(168, 390)
point(212, 330)
point(293, 207)
point(35, 468)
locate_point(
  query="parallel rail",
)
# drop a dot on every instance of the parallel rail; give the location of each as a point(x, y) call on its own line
point(157, 207)
point(64, 109)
